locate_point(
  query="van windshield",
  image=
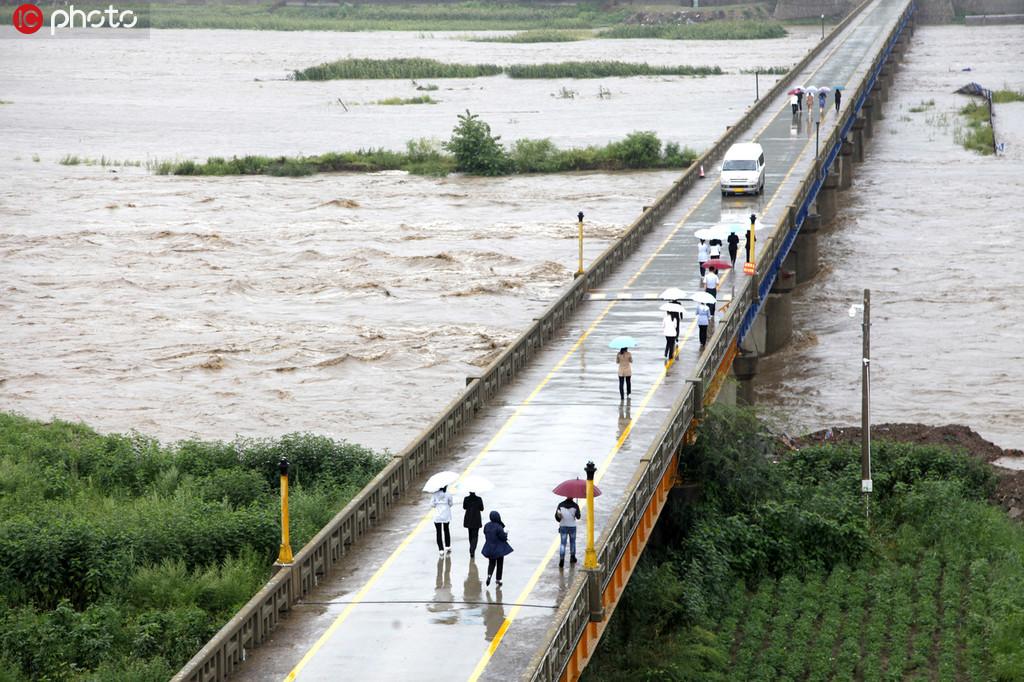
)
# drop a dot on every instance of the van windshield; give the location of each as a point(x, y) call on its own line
point(741, 165)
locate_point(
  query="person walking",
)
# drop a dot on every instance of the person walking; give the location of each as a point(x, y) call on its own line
point(711, 286)
point(810, 104)
point(822, 100)
point(734, 246)
point(496, 546)
point(567, 513)
point(472, 520)
point(794, 103)
point(624, 359)
point(703, 319)
point(715, 248)
point(703, 255)
point(839, 98)
point(668, 328)
point(442, 502)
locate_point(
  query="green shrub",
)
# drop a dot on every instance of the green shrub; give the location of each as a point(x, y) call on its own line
point(475, 149)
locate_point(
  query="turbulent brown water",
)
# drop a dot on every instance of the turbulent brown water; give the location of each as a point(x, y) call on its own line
point(934, 231)
point(352, 305)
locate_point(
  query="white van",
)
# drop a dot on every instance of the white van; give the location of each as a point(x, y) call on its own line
point(743, 169)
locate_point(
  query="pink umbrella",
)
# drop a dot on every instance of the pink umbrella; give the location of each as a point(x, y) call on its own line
point(718, 264)
point(574, 487)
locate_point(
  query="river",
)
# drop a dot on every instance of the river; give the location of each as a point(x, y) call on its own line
point(354, 305)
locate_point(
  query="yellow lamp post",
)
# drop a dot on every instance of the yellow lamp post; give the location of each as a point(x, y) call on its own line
point(285, 555)
point(590, 558)
point(579, 270)
point(750, 267)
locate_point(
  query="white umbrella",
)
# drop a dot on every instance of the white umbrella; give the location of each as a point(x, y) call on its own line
point(440, 480)
point(710, 233)
point(672, 294)
point(703, 297)
point(672, 307)
point(825, 89)
point(811, 91)
point(475, 484)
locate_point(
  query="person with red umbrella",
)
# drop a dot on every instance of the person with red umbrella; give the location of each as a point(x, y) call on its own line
point(567, 514)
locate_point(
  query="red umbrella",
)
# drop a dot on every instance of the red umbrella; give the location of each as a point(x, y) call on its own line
point(794, 91)
point(574, 487)
point(718, 264)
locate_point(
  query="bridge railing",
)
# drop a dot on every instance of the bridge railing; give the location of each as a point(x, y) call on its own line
point(573, 616)
point(254, 621)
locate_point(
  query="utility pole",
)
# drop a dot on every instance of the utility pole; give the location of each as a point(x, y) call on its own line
point(579, 270)
point(865, 406)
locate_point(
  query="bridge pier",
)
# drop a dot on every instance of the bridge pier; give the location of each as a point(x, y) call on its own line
point(806, 249)
point(744, 367)
point(876, 100)
point(858, 138)
point(778, 311)
point(845, 161)
point(869, 121)
point(826, 201)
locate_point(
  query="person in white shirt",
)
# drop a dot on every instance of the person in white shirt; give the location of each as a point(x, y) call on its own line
point(442, 502)
point(668, 328)
point(711, 286)
point(715, 247)
point(703, 319)
point(703, 254)
point(794, 102)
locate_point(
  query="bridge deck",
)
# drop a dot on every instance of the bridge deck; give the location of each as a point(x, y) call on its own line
point(394, 610)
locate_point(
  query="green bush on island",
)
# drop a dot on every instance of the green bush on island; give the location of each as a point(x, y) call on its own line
point(978, 135)
point(413, 68)
point(709, 30)
point(472, 149)
point(776, 573)
point(121, 557)
point(402, 101)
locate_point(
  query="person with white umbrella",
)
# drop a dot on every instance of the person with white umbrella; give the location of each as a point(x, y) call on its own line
point(703, 319)
point(711, 287)
point(669, 328)
point(703, 255)
point(442, 501)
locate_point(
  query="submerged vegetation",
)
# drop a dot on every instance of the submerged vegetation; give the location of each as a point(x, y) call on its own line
point(75, 160)
point(776, 573)
point(710, 30)
point(1007, 96)
point(535, 36)
point(472, 150)
point(398, 101)
point(413, 68)
point(976, 135)
point(120, 557)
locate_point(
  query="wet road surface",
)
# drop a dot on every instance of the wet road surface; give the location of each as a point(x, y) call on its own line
point(397, 611)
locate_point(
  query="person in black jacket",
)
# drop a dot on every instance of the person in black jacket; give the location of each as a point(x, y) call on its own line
point(496, 546)
point(734, 246)
point(473, 520)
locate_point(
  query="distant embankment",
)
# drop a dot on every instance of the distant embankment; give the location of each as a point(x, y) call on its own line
point(929, 11)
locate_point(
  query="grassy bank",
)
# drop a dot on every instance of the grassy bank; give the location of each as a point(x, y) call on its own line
point(711, 30)
point(976, 134)
point(776, 574)
point(120, 557)
point(640, 150)
point(535, 36)
point(415, 68)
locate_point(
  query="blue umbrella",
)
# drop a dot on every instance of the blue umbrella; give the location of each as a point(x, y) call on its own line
point(622, 342)
point(839, 87)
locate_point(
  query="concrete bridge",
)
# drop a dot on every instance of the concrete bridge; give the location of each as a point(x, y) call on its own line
point(369, 599)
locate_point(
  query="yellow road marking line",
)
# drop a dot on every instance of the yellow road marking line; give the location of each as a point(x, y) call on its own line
point(542, 566)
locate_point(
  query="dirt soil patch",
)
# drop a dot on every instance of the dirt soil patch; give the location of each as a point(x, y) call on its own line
point(1009, 493)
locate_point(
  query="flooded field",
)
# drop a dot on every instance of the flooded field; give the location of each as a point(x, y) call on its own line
point(352, 305)
point(933, 230)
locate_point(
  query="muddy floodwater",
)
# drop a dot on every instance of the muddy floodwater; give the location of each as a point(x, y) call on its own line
point(934, 231)
point(353, 305)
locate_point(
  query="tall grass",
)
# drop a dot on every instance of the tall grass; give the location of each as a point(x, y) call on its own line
point(976, 135)
point(711, 30)
point(402, 67)
point(534, 36)
point(769, 70)
point(120, 557)
point(414, 68)
point(605, 69)
point(1007, 96)
point(399, 101)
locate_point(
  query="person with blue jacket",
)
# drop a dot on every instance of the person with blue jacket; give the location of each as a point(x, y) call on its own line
point(496, 546)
